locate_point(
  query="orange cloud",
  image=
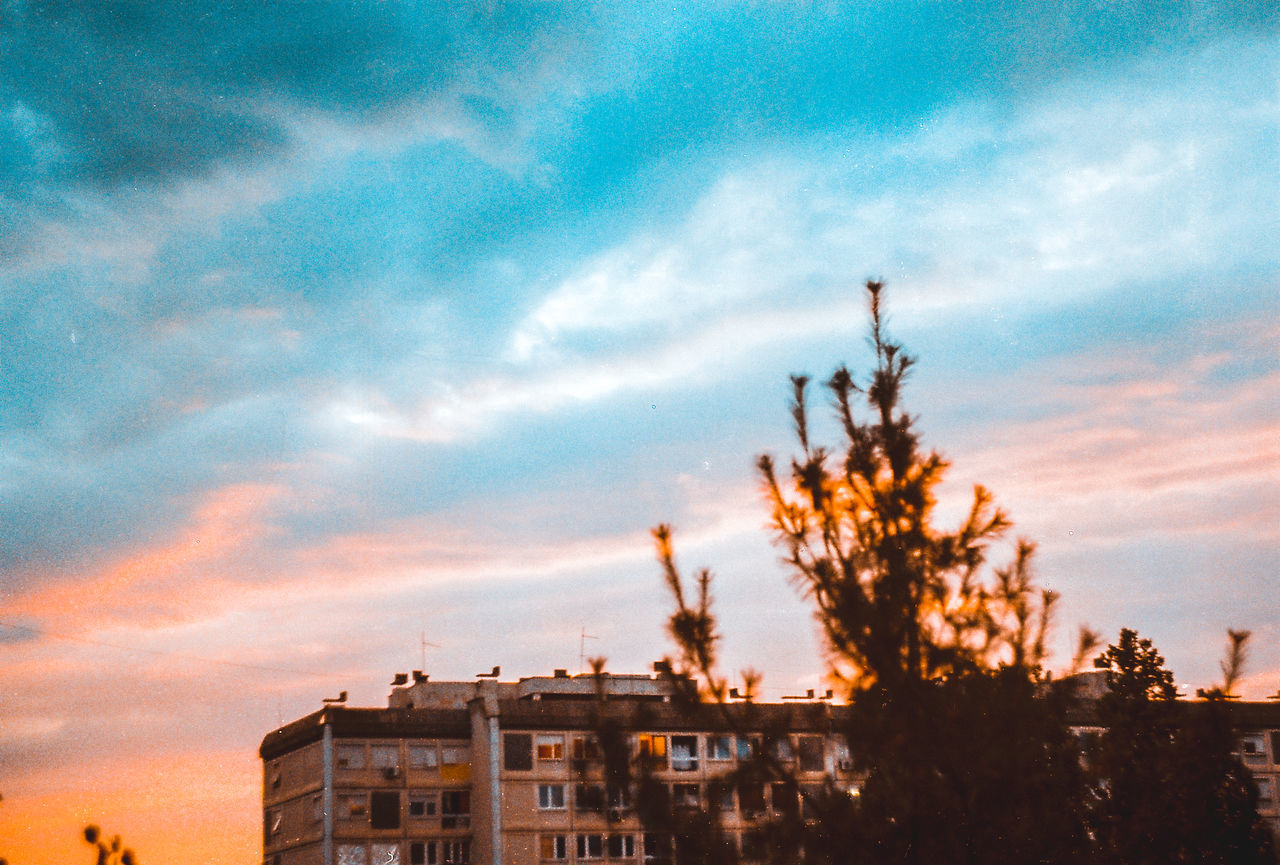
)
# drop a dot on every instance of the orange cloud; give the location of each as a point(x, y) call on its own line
point(225, 520)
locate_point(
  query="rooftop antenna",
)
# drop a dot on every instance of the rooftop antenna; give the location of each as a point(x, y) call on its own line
point(582, 649)
point(424, 649)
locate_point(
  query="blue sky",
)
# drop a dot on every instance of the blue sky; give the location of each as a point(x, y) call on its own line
point(326, 325)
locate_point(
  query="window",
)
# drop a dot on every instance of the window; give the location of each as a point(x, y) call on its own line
point(782, 749)
point(809, 749)
point(317, 808)
point(385, 757)
point(619, 797)
point(422, 757)
point(684, 753)
point(455, 852)
point(652, 748)
point(550, 747)
point(657, 849)
point(590, 846)
point(588, 797)
point(622, 846)
point(551, 797)
point(352, 854)
point(586, 748)
point(747, 747)
point(751, 797)
point(1252, 748)
point(719, 747)
point(517, 752)
point(422, 804)
point(272, 823)
point(454, 756)
point(722, 794)
point(455, 809)
point(810, 795)
point(384, 811)
point(685, 796)
point(554, 847)
point(352, 806)
point(422, 853)
point(784, 798)
point(350, 756)
point(384, 854)
point(1266, 792)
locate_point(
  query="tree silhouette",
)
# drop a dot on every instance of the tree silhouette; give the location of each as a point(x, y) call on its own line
point(938, 653)
point(1168, 787)
point(109, 852)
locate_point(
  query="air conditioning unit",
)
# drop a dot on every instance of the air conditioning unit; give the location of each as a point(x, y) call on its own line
point(391, 773)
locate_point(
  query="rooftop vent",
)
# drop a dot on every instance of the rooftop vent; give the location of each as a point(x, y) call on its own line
point(562, 674)
point(400, 679)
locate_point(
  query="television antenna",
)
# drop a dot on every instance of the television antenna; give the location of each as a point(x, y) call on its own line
point(582, 649)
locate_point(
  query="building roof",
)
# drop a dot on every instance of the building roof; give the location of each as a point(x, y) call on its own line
point(367, 723)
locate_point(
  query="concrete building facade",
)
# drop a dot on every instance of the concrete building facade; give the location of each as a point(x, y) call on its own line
point(513, 773)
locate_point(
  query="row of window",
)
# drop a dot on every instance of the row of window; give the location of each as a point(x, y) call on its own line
point(753, 798)
point(655, 849)
point(382, 808)
point(587, 846)
point(436, 852)
point(1253, 748)
point(418, 755)
point(681, 753)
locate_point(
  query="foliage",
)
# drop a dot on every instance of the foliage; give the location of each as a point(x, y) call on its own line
point(1167, 786)
point(938, 653)
point(961, 740)
point(109, 852)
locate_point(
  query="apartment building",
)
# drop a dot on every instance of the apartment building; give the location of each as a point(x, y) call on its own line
point(513, 773)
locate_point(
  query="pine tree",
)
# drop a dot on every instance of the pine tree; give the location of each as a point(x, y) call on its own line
point(938, 653)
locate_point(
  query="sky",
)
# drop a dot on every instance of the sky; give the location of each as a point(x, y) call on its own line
point(341, 339)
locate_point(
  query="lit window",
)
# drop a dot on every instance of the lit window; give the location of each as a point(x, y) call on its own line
point(554, 847)
point(684, 753)
point(550, 747)
point(551, 797)
point(652, 748)
point(590, 846)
